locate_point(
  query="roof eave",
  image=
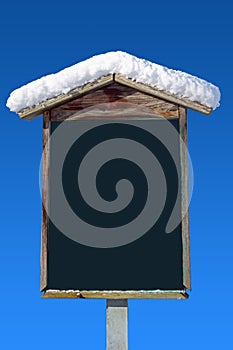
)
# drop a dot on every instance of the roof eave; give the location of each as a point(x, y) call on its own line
point(33, 112)
point(182, 101)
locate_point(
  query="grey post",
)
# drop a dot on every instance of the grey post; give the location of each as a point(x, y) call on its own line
point(117, 324)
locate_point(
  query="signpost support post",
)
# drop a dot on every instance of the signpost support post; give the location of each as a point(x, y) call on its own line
point(117, 324)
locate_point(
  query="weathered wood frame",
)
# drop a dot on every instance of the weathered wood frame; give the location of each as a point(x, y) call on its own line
point(45, 200)
point(154, 294)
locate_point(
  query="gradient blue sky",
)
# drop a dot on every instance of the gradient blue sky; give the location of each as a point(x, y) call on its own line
point(44, 37)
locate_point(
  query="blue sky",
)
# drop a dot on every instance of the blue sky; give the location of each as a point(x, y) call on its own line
point(41, 38)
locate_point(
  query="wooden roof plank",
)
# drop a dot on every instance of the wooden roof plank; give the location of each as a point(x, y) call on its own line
point(182, 101)
point(32, 112)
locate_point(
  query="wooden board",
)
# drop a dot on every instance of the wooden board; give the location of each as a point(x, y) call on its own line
point(76, 294)
point(32, 112)
point(45, 201)
point(184, 198)
point(115, 101)
point(182, 101)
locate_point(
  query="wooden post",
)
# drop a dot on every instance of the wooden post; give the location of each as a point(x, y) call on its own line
point(117, 324)
point(45, 200)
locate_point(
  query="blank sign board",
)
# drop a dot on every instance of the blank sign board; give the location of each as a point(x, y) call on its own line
point(115, 220)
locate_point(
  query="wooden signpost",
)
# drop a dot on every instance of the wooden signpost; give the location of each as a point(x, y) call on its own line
point(94, 137)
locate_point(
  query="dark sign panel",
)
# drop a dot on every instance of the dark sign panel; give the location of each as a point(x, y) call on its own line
point(115, 206)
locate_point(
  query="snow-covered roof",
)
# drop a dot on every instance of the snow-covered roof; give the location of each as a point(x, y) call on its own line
point(173, 82)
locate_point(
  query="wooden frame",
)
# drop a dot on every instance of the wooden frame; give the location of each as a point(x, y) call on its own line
point(45, 201)
point(184, 198)
point(133, 294)
point(158, 108)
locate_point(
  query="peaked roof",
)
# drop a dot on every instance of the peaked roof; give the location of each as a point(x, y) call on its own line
point(178, 87)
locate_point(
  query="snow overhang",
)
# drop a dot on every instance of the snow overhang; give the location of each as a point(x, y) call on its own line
point(33, 99)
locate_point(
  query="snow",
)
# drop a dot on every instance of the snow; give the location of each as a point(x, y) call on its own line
point(140, 70)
